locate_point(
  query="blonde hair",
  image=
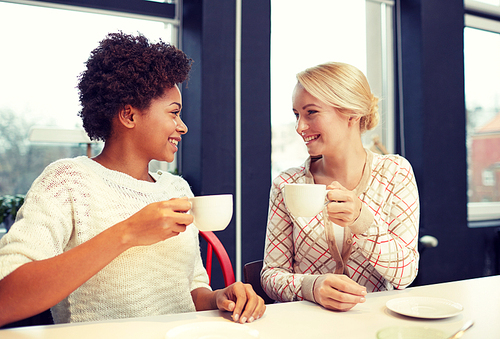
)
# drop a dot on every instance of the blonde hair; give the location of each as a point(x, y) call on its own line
point(344, 87)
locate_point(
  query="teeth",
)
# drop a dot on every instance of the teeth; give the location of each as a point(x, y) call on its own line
point(173, 141)
point(309, 138)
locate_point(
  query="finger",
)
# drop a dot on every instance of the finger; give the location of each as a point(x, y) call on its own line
point(347, 299)
point(251, 311)
point(236, 293)
point(259, 310)
point(335, 185)
point(343, 210)
point(340, 301)
point(349, 286)
point(338, 306)
point(177, 204)
point(333, 299)
point(184, 219)
point(338, 216)
point(338, 195)
point(179, 228)
point(227, 305)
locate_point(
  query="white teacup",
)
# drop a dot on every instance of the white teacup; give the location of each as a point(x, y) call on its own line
point(212, 212)
point(304, 200)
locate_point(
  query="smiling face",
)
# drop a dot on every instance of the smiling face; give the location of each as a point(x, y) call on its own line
point(323, 129)
point(160, 126)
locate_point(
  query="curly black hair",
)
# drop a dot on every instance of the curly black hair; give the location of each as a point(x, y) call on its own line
point(126, 70)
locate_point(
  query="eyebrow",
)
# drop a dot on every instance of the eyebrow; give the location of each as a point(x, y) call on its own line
point(311, 105)
point(307, 106)
point(176, 103)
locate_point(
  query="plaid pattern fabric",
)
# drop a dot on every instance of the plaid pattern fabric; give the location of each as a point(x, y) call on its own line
point(382, 257)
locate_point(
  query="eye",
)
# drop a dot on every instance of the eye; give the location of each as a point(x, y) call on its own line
point(296, 115)
point(311, 111)
point(176, 113)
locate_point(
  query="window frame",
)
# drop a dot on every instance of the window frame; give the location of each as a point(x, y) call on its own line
point(141, 9)
point(163, 12)
point(487, 18)
point(381, 74)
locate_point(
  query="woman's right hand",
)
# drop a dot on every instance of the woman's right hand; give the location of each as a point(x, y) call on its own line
point(338, 292)
point(157, 222)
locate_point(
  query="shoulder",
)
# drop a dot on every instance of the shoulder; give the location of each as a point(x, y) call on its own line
point(394, 163)
point(291, 175)
point(70, 168)
point(177, 183)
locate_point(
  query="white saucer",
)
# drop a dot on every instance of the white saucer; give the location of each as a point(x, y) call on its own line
point(425, 307)
point(212, 330)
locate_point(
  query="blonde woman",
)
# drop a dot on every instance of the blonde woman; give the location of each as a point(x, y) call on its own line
point(365, 239)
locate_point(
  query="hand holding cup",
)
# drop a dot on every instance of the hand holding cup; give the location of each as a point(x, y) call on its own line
point(307, 200)
point(348, 207)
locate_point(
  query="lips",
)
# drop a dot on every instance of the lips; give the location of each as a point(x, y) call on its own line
point(173, 141)
point(310, 138)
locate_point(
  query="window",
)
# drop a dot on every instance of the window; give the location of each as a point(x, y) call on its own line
point(482, 93)
point(42, 56)
point(304, 34)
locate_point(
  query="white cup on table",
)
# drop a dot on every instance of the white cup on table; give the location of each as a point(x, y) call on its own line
point(212, 212)
point(304, 200)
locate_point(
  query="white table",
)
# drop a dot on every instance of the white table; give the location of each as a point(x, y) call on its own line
point(480, 298)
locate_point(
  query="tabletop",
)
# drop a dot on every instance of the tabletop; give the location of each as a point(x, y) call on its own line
point(479, 297)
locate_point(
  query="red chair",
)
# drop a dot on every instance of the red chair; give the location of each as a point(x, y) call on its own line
point(214, 245)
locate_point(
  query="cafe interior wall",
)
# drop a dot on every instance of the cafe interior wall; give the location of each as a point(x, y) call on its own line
point(431, 132)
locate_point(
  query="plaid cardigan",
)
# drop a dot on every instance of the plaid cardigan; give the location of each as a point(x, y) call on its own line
point(378, 251)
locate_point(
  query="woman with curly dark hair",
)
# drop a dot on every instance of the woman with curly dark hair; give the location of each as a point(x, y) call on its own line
point(104, 238)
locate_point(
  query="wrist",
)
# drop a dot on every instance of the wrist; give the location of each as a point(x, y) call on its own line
point(359, 212)
point(363, 222)
point(314, 290)
point(215, 295)
point(124, 238)
point(309, 286)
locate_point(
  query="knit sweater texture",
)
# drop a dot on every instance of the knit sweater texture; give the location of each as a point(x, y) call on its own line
point(378, 251)
point(72, 201)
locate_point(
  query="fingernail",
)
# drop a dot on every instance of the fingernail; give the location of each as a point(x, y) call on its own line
point(243, 320)
point(251, 319)
point(362, 300)
point(236, 317)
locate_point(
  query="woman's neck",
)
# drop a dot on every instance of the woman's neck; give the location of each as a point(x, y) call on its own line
point(119, 159)
point(344, 167)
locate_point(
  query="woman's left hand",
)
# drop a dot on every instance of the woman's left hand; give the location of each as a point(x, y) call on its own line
point(344, 206)
point(241, 299)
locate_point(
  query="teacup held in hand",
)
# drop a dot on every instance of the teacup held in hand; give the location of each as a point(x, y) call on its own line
point(304, 200)
point(212, 212)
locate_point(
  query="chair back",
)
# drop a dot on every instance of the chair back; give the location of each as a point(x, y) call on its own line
point(251, 275)
point(214, 245)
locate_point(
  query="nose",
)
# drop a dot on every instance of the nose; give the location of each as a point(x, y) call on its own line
point(300, 125)
point(181, 126)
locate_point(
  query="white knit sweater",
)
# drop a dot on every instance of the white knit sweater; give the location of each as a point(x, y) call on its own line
point(75, 199)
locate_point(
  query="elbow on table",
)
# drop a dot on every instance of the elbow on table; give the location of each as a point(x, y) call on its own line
point(405, 282)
